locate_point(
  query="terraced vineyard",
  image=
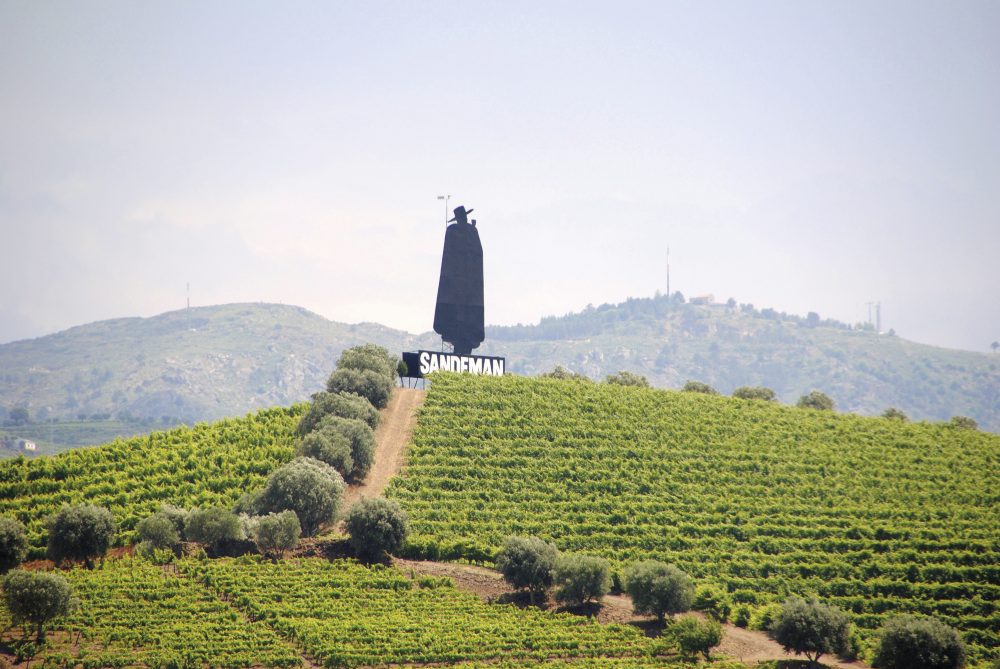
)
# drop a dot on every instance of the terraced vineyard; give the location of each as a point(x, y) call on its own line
point(346, 614)
point(873, 515)
point(208, 464)
point(134, 613)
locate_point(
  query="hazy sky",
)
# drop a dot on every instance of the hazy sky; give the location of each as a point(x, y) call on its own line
point(805, 156)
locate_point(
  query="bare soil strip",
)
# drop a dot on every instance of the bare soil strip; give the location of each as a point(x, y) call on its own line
point(395, 427)
point(747, 646)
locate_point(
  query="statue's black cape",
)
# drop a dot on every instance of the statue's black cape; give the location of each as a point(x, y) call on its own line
point(458, 316)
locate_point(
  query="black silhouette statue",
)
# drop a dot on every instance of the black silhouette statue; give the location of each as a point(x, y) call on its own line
point(458, 315)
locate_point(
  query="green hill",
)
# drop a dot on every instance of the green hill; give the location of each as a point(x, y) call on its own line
point(115, 378)
point(871, 514)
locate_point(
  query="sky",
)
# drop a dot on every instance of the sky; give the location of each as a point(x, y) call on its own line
point(804, 156)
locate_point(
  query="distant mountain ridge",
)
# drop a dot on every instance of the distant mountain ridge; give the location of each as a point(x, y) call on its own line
point(207, 362)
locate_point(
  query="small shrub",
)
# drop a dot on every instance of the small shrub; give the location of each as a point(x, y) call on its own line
point(13, 544)
point(158, 531)
point(816, 400)
point(373, 386)
point(528, 563)
point(624, 378)
point(764, 617)
point(581, 579)
point(712, 601)
point(377, 526)
point(694, 636)
point(276, 533)
point(80, 532)
point(560, 372)
point(908, 642)
point(699, 387)
point(755, 393)
point(345, 405)
point(37, 598)
point(811, 628)
point(659, 589)
point(741, 616)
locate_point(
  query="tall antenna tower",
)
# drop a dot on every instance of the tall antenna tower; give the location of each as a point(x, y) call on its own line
point(668, 271)
point(878, 318)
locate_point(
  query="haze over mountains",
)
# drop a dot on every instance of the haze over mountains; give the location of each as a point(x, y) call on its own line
point(209, 362)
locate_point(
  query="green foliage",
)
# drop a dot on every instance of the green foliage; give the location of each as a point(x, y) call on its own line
point(13, 544)
point(369, 356)
point(177, 516)
point(345, 405)
point(713, 601)
point(206, 465)
point(527, 563)
point(659, 589)
point(755, 393)
point(37, 598)
point(377, 526)
point(963, 423)
point(340, 612)
point(816, 400)
point(276, 533)
point(214, 527)
point(908, 642)
point(699, 387)
point(331, 446)
point(80, 532)
point(694, 636)
point(581, 578)
point(811, 628)
point(624, 378)
point(757, 498)
point(373, 386)
point(310, 488)
point(360, 438)
point(563, 374)
point(158, 531)
point(895, 414)
point(741, 616)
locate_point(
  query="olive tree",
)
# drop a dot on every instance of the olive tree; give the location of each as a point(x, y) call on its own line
point(158, 531)
point(712, 601)
point(528, 563)
point(895, 414)
point(37, 598)
point(373, 386)
point(214, 527)
point(755, 393)
point(369, 356)
point(13, 544)
point(330, 446)
point(811, 628)
point(377, 526)
point(816, 400)
point(310, 488)
point(908, 642)
point(345, 405)
point(658, 588)
point(581, 579)
point(276, 533)
point(694, 636)
point(699, 387)
point(361, 440)
point(80, 532)
point(624, 378)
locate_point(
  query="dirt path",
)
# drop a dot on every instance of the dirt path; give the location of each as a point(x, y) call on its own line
point(747, 646)
point(394, 429)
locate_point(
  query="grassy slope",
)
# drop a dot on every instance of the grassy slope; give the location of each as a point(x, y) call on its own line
point(873, 515)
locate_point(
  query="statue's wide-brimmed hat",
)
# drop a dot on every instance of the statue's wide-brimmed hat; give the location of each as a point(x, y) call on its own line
point(460, 212)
